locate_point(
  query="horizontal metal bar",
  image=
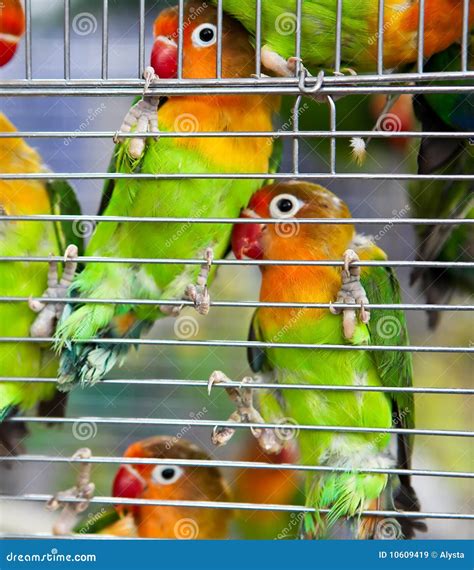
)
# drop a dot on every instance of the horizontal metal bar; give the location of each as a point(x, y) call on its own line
point(221, 89)
point(238, 425)
point(249, 262)
point(230, 176)
point(241, 344)
point(222, 464)
point(275, 221)
point(37, 497)
point(382, 134)
point(259, 385)
point(236, 304)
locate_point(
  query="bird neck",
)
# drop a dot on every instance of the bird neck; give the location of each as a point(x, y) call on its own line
point(224, 113)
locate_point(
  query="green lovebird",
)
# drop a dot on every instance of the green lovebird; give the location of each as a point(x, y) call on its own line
point(26, 238)
point(445, 112)
point(87, 363)
point(359, 31)
point(348, 490)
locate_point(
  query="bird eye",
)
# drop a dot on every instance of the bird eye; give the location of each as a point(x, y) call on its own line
point(204, 35)
point(284, 206)
point(166, 474)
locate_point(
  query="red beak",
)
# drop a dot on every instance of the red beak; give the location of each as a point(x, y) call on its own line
point(164, 57)
point(247, 238)
point(128, 484)
point(12, 27)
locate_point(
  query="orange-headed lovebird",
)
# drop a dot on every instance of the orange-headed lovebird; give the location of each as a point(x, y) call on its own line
point(347, 492)
point(12, 28)
point(166, 483)
point(87, 363)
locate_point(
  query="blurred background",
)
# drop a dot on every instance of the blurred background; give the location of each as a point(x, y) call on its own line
point(387, 198)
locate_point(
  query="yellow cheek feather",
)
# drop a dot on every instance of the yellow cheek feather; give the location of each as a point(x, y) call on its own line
point(228, 113)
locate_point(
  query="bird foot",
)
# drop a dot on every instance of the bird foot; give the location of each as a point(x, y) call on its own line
point(49, 313)
point(351, 292)
point(277, 64)
point(141, 118)
point(198, 293)
point(245, 413)
point(83, 489)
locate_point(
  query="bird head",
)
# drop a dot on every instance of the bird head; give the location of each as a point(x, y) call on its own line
point(172, 483)
point(290, 202)
point(200, 44)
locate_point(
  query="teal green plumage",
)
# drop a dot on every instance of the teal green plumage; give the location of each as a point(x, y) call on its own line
point(343, 494)
point(193, 198)
point(359, 30)
point(25, 279)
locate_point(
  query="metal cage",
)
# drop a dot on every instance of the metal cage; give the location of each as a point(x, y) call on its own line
point(33, 86)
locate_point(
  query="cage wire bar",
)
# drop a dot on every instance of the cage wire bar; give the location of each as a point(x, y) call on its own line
point(328, 87)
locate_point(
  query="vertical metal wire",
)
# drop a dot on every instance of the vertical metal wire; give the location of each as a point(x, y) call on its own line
point(67, 40)
point(337, 55)
point(220, 16)
point(105, 39)
point(258, 38)
point(465, 35)
point(421, 36)
point(296, 139)
point(332, 141)
point(380, 38)
point(28, 56)
point(180, 37)
point(299, 19)
point(141, 40)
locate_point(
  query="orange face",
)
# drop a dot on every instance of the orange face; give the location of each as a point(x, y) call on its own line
point(200, 44)
point(12, 27)
point(171, 483)
point(288, 202)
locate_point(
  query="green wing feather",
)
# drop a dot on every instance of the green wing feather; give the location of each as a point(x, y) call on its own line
point(64, 201)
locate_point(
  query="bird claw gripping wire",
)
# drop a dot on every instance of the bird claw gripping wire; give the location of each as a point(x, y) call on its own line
point(141, 118)
point(49, 313)
point(245, 413)
point(351, 292)
point(83, 489)
point(198, 293)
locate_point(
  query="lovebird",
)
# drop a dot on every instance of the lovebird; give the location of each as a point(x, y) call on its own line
point(168, 483)
point(26, 238)
point(348, 492)
point(359, 39)
point(12, 28)
point(194, 198)
point(444, 112)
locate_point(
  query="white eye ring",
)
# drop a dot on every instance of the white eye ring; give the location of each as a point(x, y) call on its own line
point(196, 36)
point(166, 474)
point(276, 212)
